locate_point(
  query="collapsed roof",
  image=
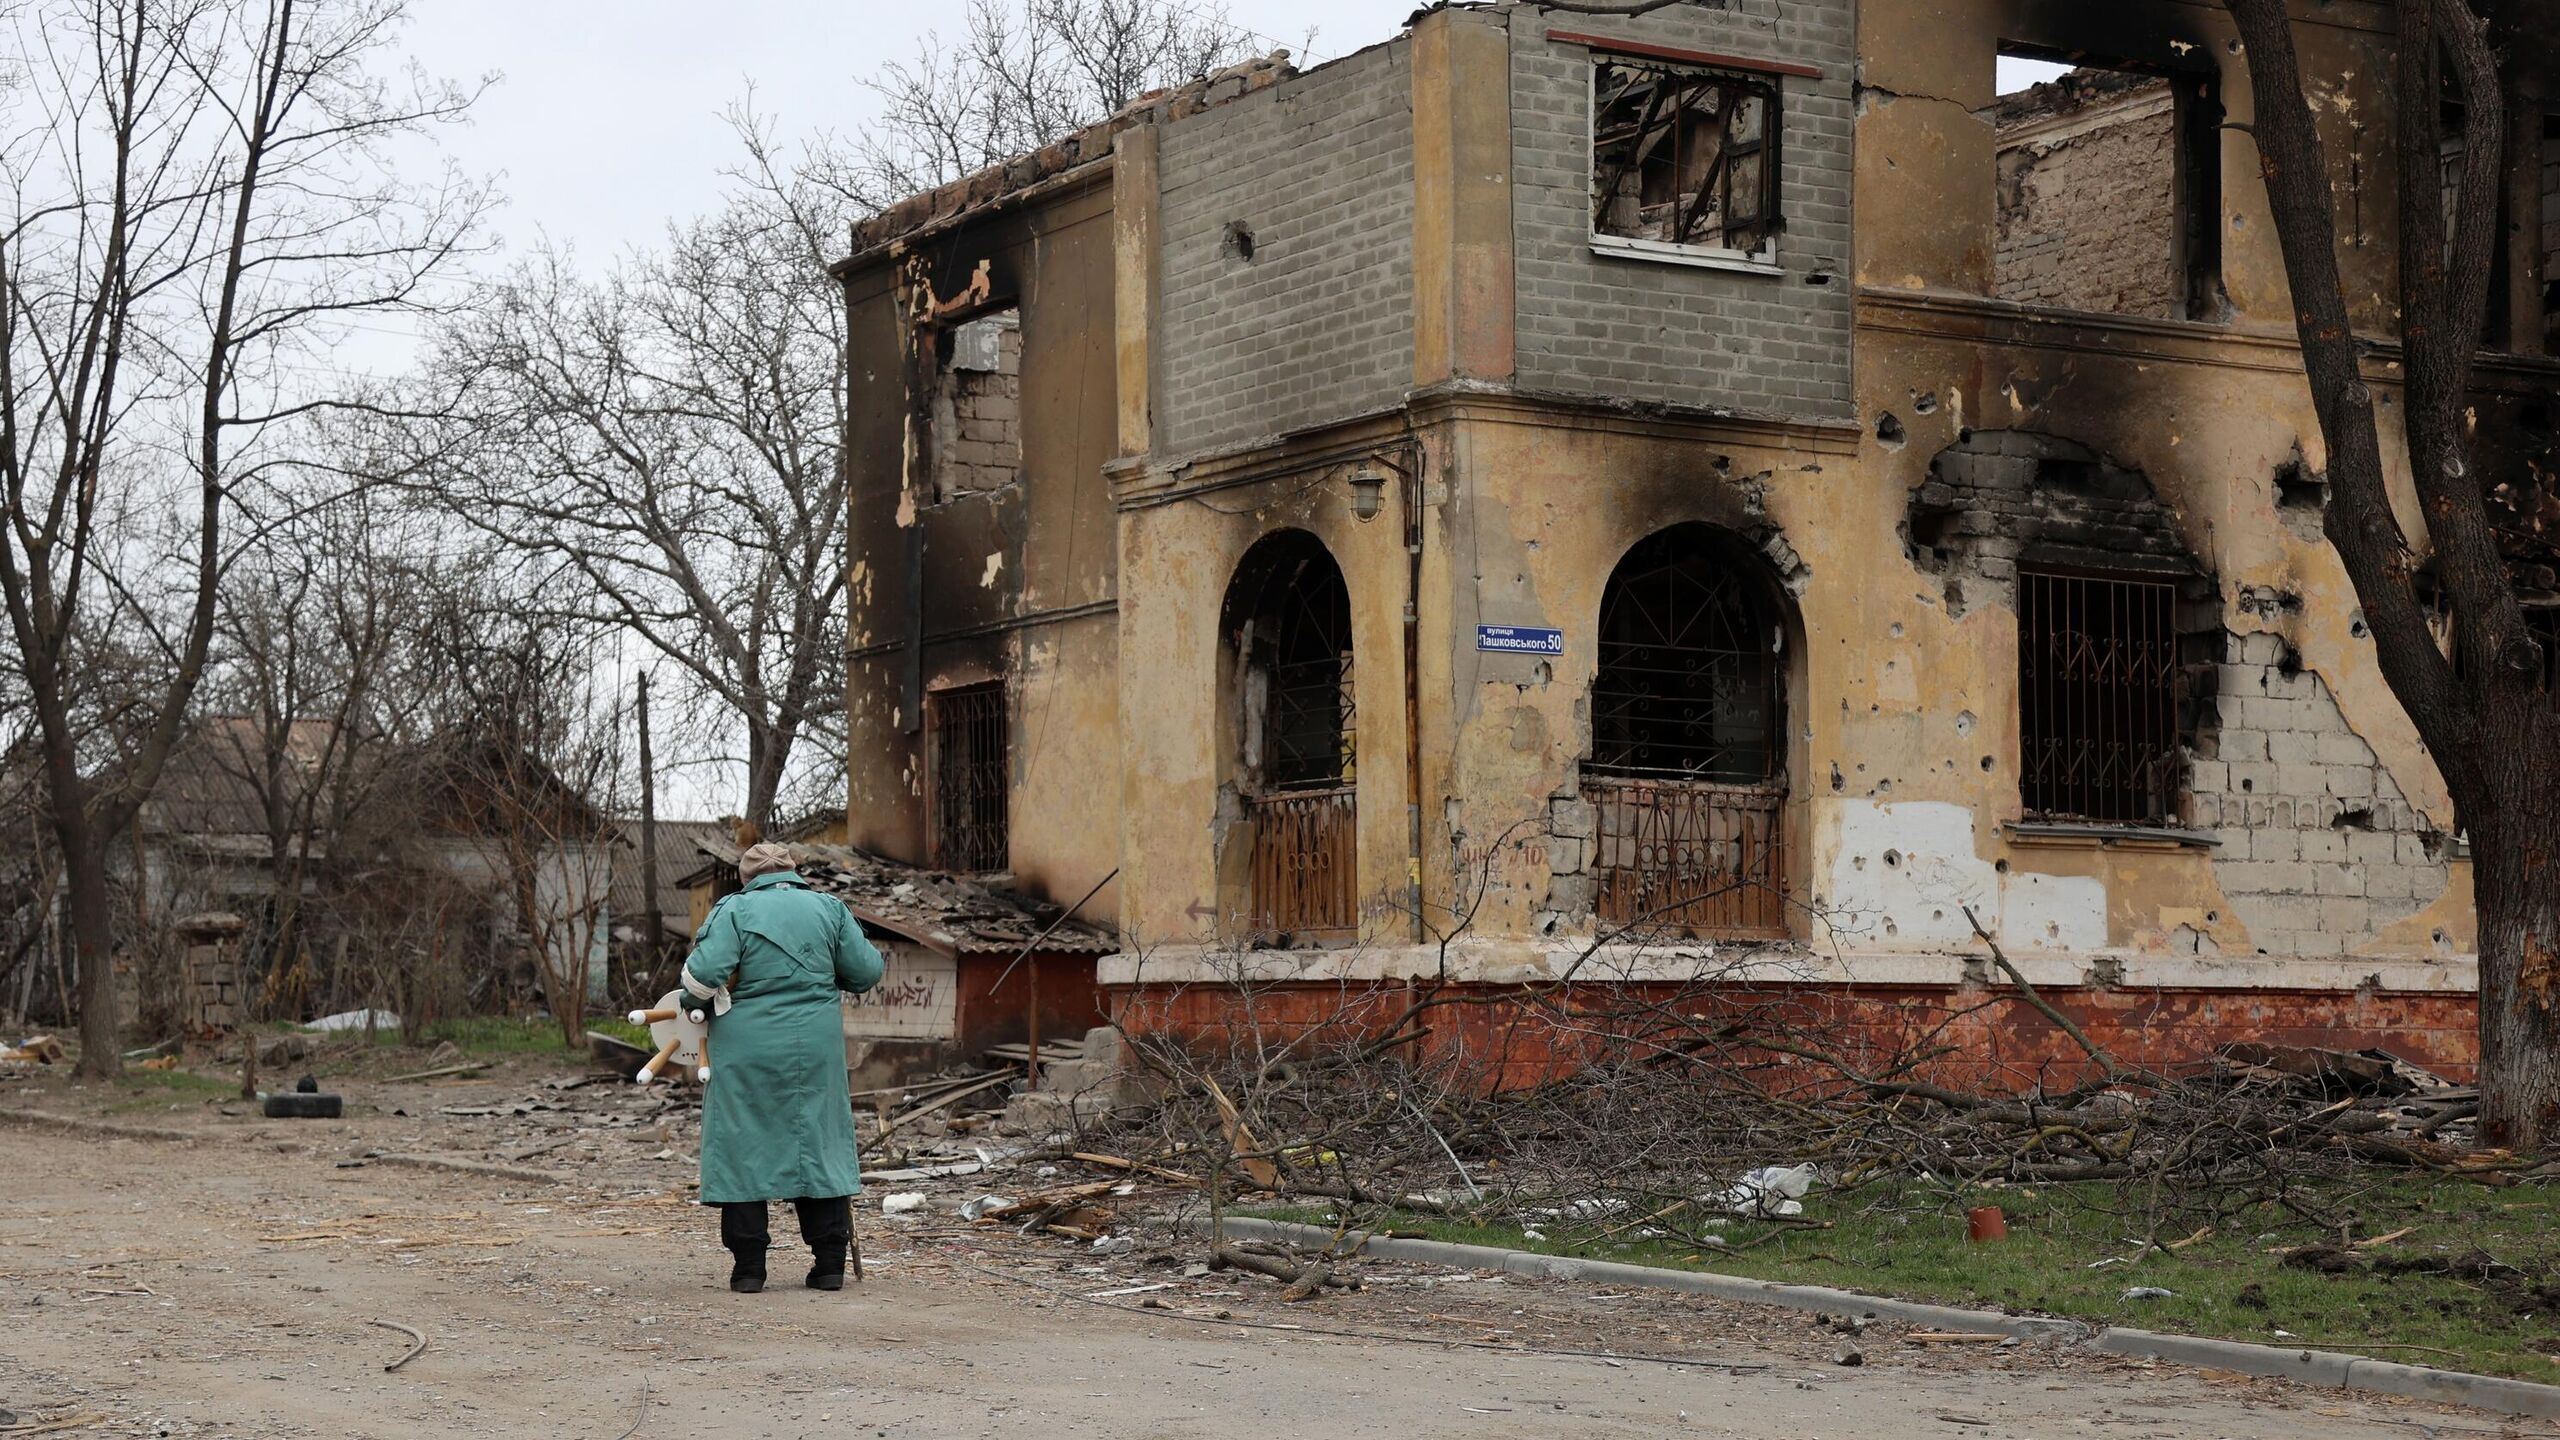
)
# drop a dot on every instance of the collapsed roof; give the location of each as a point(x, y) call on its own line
point(933, 908)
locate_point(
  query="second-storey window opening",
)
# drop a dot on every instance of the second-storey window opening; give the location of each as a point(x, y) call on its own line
point(2098, 698)
point(969, 801)
point(1684, 156)
point(2107, 189)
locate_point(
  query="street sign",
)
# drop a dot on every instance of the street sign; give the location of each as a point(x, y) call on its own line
point(1519, 640)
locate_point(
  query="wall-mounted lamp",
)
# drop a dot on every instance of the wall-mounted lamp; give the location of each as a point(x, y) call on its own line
point(1368, 491)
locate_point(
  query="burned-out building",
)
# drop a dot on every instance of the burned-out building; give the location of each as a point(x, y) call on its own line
point(1622, 494)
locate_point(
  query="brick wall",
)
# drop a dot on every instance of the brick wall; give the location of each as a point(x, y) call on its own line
point(977, 410)
point(2088, 200)
point(2319, 848)
point(1646, 330)
point(1318, 323)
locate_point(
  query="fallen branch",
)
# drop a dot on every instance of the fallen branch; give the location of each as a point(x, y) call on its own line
point(890, 1126)
point(1114, 1162)
point(433, 1074)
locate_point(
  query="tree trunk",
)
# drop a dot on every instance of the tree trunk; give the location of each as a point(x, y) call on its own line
point(2516, 888)
point(84, 869)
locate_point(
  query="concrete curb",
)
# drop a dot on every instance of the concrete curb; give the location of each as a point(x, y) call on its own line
point(2310, 1367)
point(1813, 1299)
point(82, 1126)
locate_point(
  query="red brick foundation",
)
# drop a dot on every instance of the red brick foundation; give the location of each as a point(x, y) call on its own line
point(1976, 1037)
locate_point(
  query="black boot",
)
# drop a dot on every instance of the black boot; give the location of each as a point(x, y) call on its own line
point(742, 1230)
point(827, 1226)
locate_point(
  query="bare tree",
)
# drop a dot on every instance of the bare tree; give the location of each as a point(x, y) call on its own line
point(1022, 74)
point(666, 438)
point(309, 635)
point(520, 763)
point(193, 199)
point(2486, 710)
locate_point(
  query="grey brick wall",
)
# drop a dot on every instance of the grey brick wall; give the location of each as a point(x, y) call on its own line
point(1318, 324)
point(2088, 220)
point(1649, 331)
point(2319, 847)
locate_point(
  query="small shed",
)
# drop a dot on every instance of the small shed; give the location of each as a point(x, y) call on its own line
point(963, 957)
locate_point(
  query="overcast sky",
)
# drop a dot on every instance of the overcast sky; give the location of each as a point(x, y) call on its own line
point(605, 120)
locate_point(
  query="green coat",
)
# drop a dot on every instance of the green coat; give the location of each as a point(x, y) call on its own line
point(777, 1123)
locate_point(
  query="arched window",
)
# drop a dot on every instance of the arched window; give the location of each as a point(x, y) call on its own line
point(1289, 620)
point(1687, 766)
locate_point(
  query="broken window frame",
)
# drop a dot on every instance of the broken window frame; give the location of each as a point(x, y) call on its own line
point(968, 779)
point(1766, 217)
point(2107, 748)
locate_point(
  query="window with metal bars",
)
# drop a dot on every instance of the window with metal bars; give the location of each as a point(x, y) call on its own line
point(966, 801)
point(1684, 156)
point(1685, 778)
point(2098, 698)
point(1688, 680)
point(1294, 642)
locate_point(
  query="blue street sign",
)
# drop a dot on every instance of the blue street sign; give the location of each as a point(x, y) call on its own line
point(1519, 640)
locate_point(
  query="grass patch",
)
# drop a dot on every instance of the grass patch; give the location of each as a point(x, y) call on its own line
point(1910, 1242)
point(166, 1089)
point(499, 1036)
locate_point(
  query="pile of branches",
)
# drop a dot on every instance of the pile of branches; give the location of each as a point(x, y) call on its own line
point(1657, 1110)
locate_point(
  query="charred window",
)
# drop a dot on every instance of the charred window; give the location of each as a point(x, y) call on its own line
point(1292, 636)
point(1688, 682)
point(967, 803)
point(977, 407)
point(1685, 777)
point(2098, 698)
point(1684, 156)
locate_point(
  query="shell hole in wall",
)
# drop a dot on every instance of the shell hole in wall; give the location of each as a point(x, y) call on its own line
point(1889, 431)
point(1239, 242)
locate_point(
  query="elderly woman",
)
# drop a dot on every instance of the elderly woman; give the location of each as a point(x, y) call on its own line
point(776, 1121)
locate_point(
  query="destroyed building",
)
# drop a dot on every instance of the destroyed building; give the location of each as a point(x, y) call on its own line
point(1723, 486)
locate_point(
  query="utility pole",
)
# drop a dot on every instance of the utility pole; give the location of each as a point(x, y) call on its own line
point(654, 928)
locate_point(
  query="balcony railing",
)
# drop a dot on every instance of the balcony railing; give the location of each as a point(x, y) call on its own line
point(1305, 882)
point(1679, 857)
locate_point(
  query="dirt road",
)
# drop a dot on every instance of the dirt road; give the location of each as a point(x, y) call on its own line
point(228, 1288)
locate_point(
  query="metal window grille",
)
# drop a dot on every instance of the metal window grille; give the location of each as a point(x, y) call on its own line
point(1685, 776)
point(1304, 877)
point(2098, 698)
point(1688, 681)
point(1694, 859)
point(1305, 868)
point(968, 799)
point(1684, 156)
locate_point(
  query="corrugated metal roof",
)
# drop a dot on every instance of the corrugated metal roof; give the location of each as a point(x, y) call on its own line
point(932, 907)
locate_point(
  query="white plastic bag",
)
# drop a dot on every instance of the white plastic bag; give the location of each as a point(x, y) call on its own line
point(1769, 1192)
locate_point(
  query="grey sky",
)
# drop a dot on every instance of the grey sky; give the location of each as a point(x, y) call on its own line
point(606, 122)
